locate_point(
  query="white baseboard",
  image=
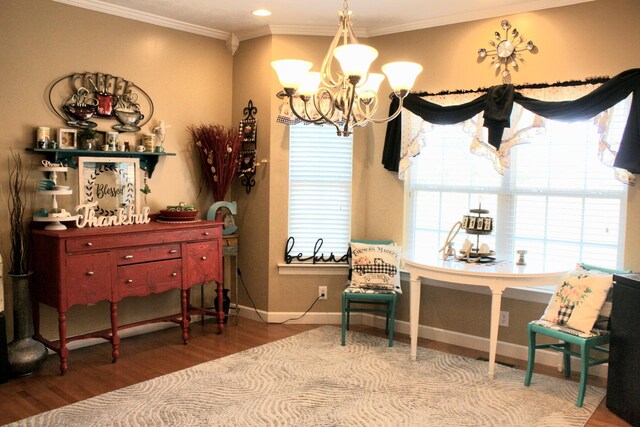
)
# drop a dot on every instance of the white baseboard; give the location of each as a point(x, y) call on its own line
point(516, 351)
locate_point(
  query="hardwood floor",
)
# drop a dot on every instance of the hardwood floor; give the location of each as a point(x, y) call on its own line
point(150, 355)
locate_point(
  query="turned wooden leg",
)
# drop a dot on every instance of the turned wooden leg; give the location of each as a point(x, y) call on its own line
point(62, 332)
point(220, 309)
point(115, 338)
point(184, 293)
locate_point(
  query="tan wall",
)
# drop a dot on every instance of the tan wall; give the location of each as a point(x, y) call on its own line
point(252, 81)
point(574, 42)
point(291, 293)
point(41, 42)
point(569, 48)
point(188, 77)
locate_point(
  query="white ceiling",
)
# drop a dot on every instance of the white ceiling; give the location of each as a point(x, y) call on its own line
point(220, 18)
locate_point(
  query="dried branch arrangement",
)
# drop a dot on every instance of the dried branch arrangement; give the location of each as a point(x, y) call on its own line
point(218, 147)
point(17, 207)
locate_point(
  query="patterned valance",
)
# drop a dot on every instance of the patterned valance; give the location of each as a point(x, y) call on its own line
point(496, 105)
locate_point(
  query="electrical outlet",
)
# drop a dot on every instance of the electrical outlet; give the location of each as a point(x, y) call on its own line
point(504, 319)
point(322, 292)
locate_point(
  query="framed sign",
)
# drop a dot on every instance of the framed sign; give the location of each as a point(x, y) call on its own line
point(112, 182)
point(67, 139)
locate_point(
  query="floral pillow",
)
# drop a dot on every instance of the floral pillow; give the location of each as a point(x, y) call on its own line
point(578, 298)
point(375, 266)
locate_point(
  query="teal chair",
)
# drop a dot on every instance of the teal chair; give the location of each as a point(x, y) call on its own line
point(588, 347)
point(356, 300)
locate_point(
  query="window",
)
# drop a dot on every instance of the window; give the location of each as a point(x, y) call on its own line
point(557, 200)
point(319, 189)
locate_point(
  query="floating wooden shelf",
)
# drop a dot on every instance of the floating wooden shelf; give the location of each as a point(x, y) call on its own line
point(148, 160)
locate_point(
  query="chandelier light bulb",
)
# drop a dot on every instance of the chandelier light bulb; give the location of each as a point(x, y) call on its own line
point(369, 88)
point(355, 59)
point(309, 84)
point(291, 72)
point(402, 75)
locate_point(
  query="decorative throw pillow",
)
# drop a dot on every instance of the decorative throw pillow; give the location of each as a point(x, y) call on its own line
point(375, 266)
point(578, 298)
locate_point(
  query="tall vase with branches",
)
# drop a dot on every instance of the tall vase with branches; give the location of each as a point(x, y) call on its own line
point(25, 354)
point(218, 148)
point(19, 258)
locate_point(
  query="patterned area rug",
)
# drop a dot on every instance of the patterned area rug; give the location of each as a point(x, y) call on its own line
point(310, 380)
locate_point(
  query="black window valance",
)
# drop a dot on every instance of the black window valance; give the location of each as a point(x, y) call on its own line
point(498, 101)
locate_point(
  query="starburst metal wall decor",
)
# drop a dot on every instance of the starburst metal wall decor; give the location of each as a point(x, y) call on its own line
point(506, 50)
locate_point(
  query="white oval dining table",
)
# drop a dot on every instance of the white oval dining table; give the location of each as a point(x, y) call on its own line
point(496, 276)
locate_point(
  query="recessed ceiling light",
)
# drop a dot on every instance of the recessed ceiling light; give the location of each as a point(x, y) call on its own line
point(261, 12)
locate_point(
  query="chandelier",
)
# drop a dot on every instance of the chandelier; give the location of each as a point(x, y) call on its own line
point(347, 97)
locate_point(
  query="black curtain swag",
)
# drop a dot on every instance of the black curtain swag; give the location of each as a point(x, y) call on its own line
point(498, 101)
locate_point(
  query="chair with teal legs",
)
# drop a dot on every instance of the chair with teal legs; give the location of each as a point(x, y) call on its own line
point(372, 302)
point(373, 283)
point(583, 343)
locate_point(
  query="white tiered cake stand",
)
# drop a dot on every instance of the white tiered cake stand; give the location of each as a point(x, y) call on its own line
point(55, 222)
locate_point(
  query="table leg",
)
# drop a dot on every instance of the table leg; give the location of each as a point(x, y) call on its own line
point(115, 338)
point(62, 332)
point(185, 295)
point(219, 308)
point(414, 314)
point(496, 300)
point(235, 268)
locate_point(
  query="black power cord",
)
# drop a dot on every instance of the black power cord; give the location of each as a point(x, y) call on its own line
point(258, 313)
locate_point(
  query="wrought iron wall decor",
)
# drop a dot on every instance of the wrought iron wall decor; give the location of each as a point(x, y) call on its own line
point(247, 159)
point(78, 98)
point(506, 50)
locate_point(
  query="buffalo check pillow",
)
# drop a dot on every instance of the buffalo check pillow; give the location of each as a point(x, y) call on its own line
point(578, 298)
point(375, 266)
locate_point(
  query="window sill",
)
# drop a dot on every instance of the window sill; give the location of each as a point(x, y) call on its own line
point(313, 269)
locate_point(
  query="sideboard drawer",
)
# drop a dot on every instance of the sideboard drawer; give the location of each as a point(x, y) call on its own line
point(207, 233)
point(149, 278)
point(88, 278)
point(92, 243)
point(136, 255)
point(202, 263)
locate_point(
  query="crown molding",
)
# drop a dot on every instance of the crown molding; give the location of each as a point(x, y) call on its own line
point(148, 18)
point(124, 12)
point(474, 16)
point(294, 30)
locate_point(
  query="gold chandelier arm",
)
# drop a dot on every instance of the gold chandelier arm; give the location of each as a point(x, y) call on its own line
point(319, 120)
point(391, 117)
point(318, 105)
point(325, 70)
point(295, 113)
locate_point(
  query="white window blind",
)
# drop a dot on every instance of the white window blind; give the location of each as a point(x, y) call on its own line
point(556, 200)
point(320, 177)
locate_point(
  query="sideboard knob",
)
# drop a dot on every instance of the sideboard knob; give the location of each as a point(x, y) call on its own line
point(173, 251)
point(129, 280)
point(89, 273)
point(174, 274)
point(203, 257)
point(206, 233)
point(89, 244)
point(128, 256)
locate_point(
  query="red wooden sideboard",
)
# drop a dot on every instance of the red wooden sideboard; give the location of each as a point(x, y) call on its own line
point(88, 265)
